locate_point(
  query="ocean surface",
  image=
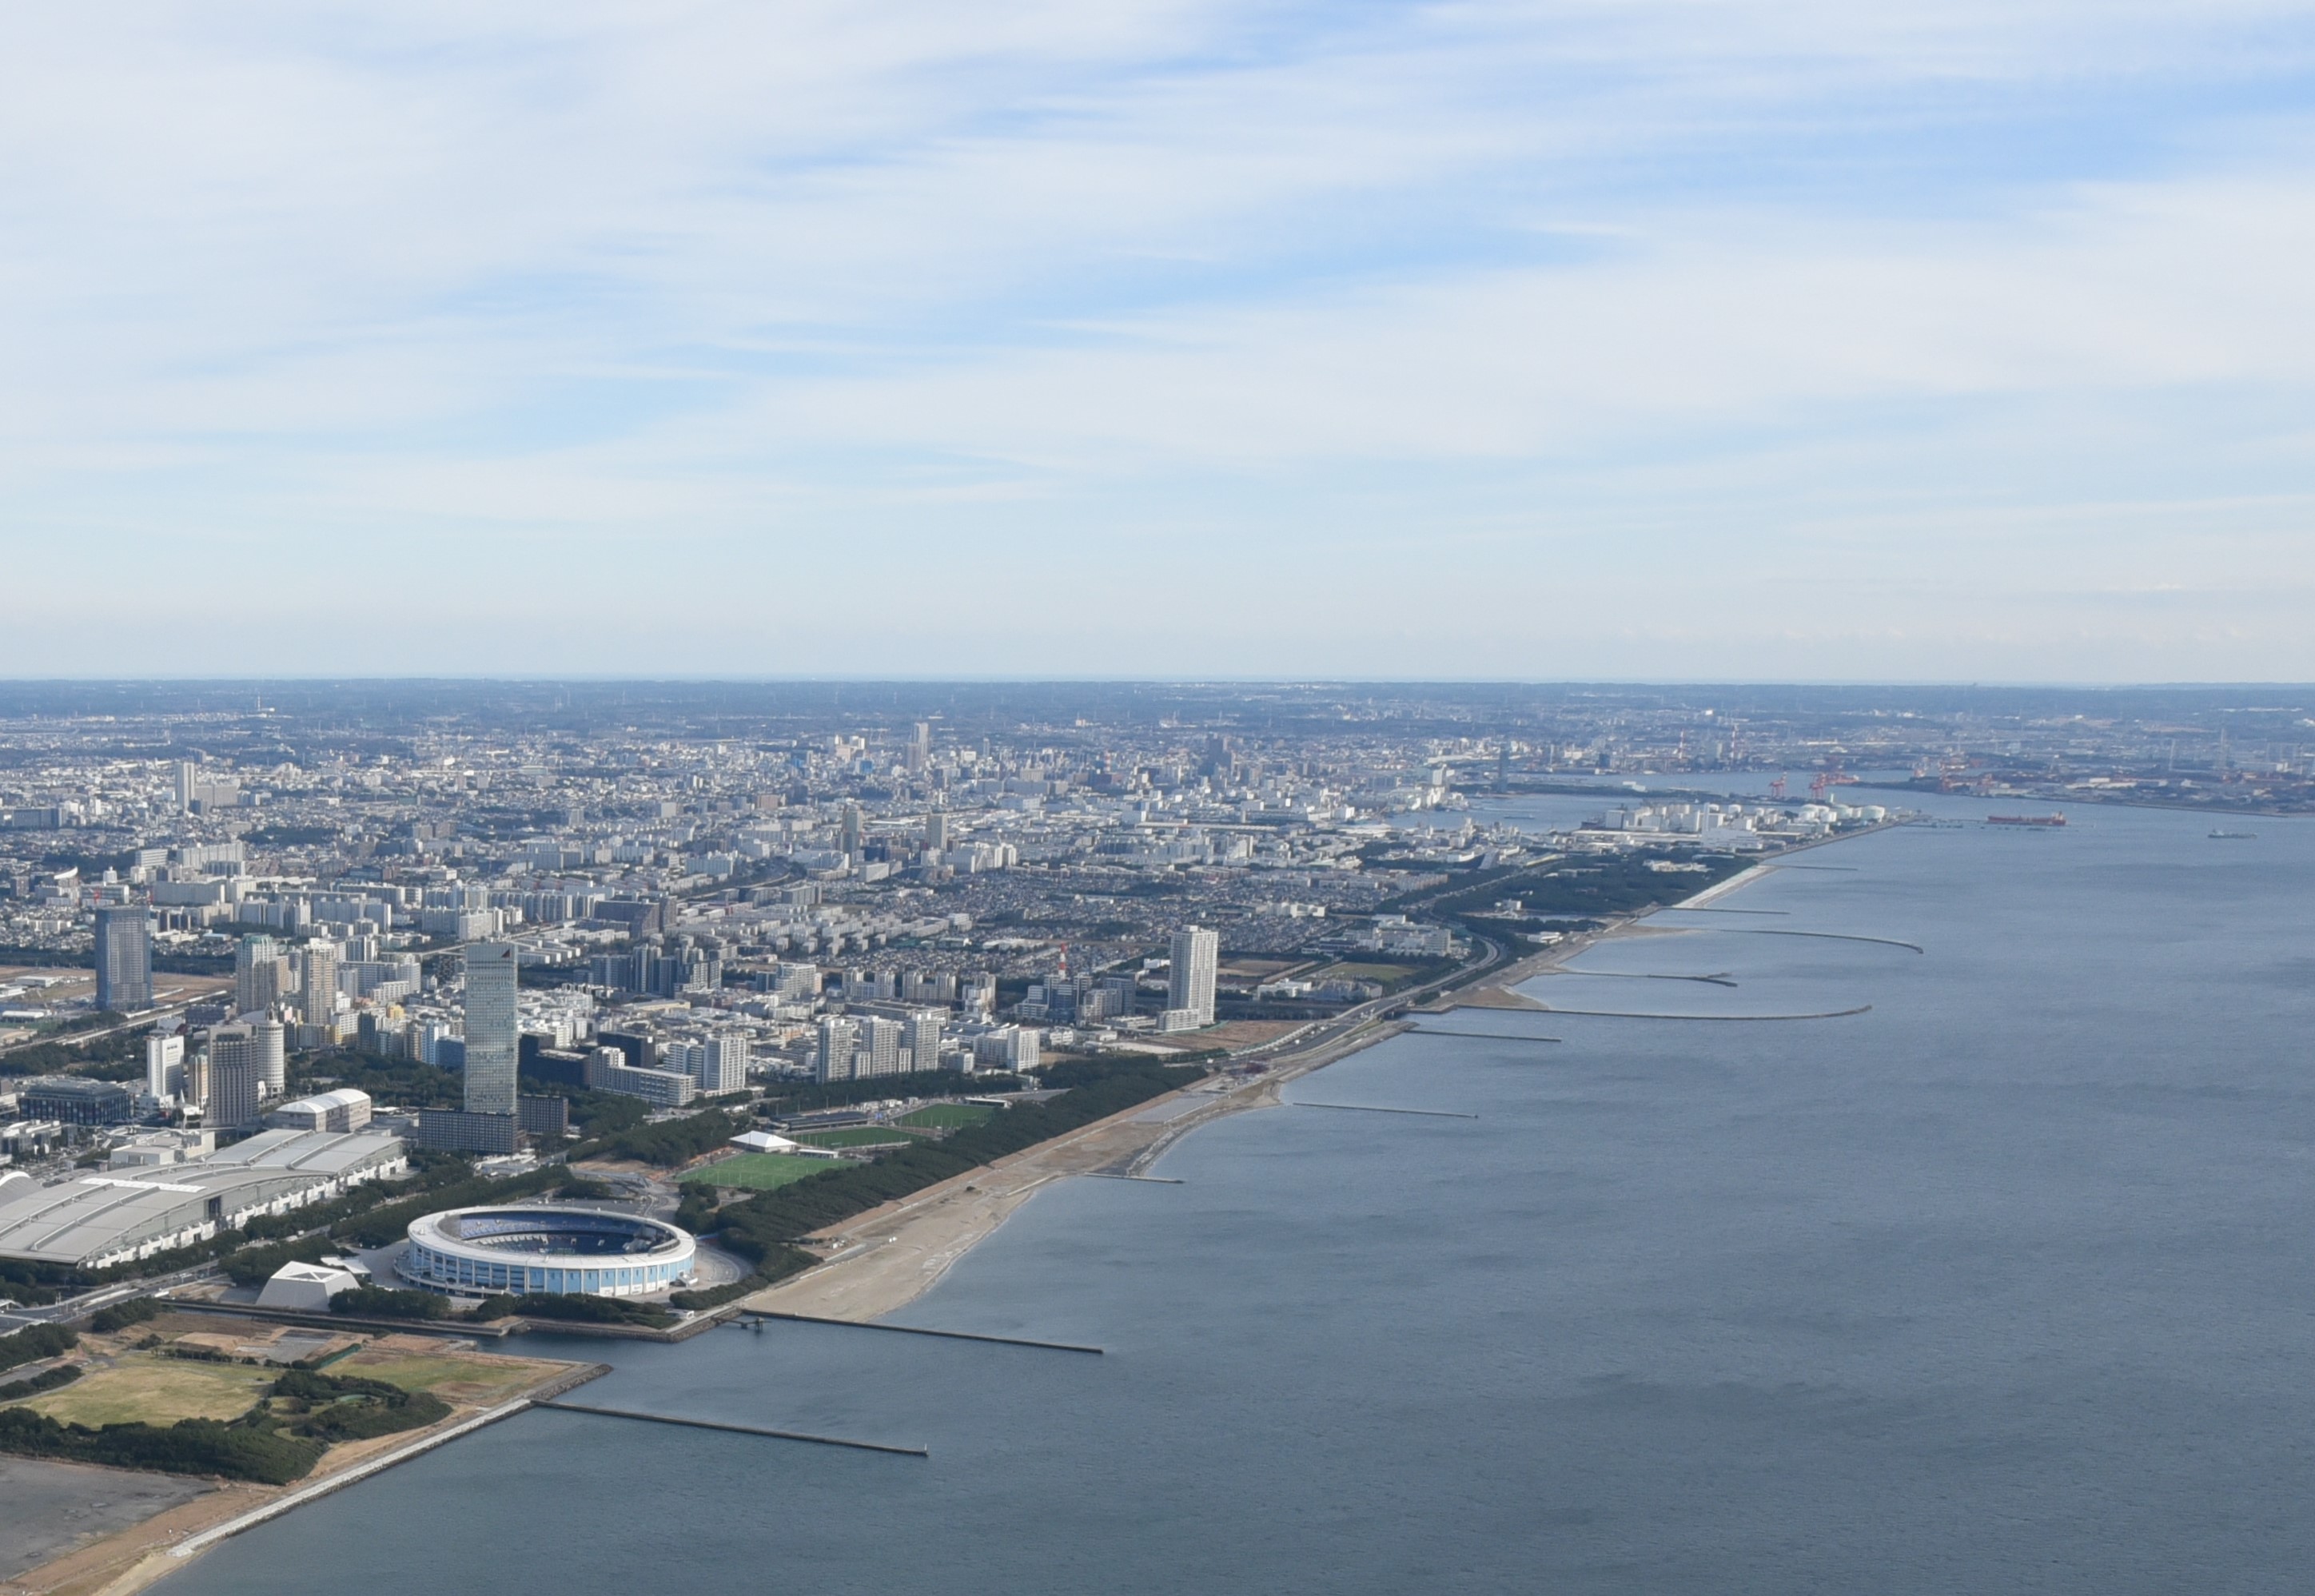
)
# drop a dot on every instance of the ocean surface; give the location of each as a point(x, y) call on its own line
point(2005, 1285)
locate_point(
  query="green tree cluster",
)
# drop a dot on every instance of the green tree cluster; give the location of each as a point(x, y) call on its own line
point(384, 1302)
point(137, 1310)
point(923, 1082)
point(47, 1379)
point(244, 1449)
point(585, 1311)
point(338, 1408)
point(36, 1342)
point(672, 1141)
point(761, 1228)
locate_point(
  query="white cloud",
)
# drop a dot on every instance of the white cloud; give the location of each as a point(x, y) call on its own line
point(972, 293)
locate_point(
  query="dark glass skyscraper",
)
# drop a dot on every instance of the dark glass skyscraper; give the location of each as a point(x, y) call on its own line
point(491, 1028)
point(124, 957)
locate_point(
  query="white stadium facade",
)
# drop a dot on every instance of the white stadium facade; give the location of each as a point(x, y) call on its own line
point(477, 1252)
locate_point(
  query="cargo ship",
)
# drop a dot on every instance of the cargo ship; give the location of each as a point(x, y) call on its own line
point(2047, 819)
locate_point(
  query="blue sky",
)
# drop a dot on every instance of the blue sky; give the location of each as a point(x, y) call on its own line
point(1967, 341)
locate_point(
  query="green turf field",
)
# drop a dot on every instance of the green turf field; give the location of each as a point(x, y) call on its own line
point(759, 1172)
point(945, 1116)
point(852, 1135)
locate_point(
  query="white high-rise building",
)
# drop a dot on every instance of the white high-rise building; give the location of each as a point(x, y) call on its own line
point(832, 1061)
point(1189, 986)
point(924, 1039)
point(880, 1039)
point(724, 1068)
point(245, 1055)
point(271, 1052)
point(164, 1066)
point(491, 1028)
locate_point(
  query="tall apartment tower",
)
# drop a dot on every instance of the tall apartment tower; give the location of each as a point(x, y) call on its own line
point(936, 831)
point(491, 1021)
point(880, 1039)
point(261, 975)
point(832, 1060)
point(847, 832)
point(188, 778)
point(1191, 985)
point(317, 983)
point(724, 1068)
point(124, 957)
point(924, 1039)
point(920, 748)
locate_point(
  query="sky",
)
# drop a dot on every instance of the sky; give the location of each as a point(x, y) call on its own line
point(1650, 339)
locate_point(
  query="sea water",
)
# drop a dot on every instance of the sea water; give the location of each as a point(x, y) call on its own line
point(2006, 1284)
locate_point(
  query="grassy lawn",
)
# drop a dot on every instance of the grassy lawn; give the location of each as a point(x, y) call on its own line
point(1386, 976)
point(759, 1172)
point(470, 1378)
point(853, 1136)
point(156, 1390)
point(943, 1116)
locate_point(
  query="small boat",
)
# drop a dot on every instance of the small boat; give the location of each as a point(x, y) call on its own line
point(2234, 836)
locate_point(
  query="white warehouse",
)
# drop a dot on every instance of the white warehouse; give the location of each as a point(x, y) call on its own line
point(95, 1220)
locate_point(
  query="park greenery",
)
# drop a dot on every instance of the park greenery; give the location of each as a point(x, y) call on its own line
point(384, 1302)
point(120, 1056)
point(31, 1344)
point(717, 1296)
point(242, 1448)
point(47, 1379)
point(340, 1407)
point(795, 1099)
point(671, 1142)
point(580, 1310)
point(278, 1440)
point(120, 1315)
point(404, 1081)
point(763, 1229)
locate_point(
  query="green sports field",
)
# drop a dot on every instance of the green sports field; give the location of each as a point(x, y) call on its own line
point(759, 1172)
point(945, 1116)
point(852, 1135)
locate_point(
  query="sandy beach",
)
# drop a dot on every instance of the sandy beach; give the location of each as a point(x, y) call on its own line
point(888, 1256)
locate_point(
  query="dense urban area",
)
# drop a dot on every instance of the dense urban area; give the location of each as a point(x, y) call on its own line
point(338, 1013)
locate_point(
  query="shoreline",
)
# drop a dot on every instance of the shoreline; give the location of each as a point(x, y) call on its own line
point(887, 1258)
point(892, 1255)
point(132, 1559)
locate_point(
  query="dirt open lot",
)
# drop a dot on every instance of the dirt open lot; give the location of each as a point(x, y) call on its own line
point(47, 1509)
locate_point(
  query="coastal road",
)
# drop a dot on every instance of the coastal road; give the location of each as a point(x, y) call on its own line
point(1321, 1034)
